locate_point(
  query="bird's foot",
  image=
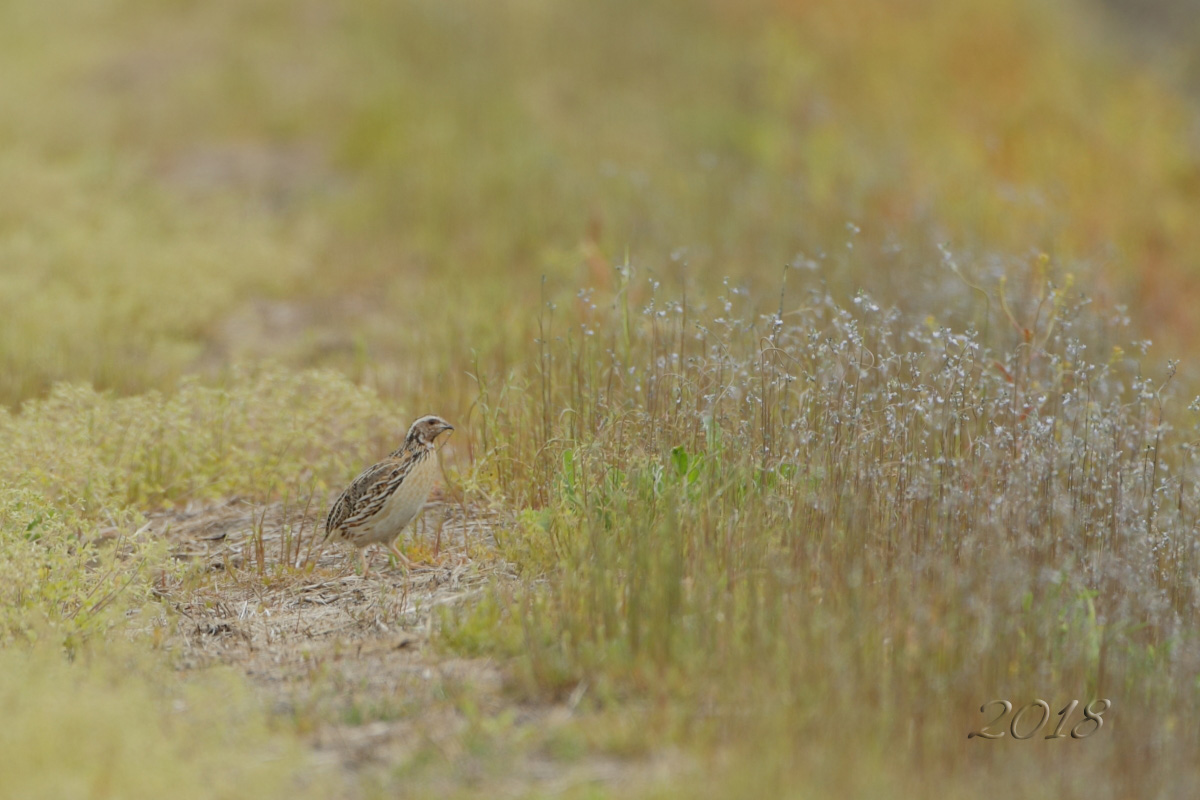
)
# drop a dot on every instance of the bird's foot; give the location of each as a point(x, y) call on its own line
point(401, 559)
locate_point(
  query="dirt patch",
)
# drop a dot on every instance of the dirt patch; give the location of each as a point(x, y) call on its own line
point(349, 659)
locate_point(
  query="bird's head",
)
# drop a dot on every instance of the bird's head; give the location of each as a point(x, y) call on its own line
point(424, 432)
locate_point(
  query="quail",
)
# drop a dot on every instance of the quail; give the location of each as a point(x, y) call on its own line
point(378, 504)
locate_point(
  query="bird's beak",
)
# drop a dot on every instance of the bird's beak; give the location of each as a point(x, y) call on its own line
point(446, 426)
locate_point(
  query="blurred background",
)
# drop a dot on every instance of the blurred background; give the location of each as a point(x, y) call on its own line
point(382, 186)
point(1174, 20)
point(439, 201)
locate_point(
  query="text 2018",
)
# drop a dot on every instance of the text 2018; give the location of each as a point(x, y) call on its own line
point(1092, 720)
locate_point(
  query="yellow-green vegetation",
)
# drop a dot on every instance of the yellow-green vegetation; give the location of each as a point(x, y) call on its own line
point(82, 464)
point(78, 572)
point(117, 726)
point(802, 345)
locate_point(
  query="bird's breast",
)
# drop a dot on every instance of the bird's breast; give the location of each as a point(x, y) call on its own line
point(409, 497)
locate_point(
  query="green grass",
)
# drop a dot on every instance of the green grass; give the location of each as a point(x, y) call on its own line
point(781, 529)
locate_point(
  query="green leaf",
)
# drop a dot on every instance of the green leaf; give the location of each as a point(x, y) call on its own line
point(679, 458)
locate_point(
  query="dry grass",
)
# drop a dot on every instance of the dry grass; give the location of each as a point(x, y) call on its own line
point(711, 526)
point(353, 663)
point(771, 523)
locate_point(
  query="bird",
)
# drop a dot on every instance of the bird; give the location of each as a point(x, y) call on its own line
point(378, 504)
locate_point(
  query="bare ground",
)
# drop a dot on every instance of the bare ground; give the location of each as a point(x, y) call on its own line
point(350, 660)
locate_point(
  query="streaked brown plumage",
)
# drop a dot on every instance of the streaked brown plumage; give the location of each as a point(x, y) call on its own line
point(378, 504)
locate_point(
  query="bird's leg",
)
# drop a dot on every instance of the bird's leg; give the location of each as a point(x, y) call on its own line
point(400, 557)
point(364, 566)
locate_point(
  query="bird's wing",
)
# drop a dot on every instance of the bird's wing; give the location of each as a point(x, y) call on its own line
point(367, 493)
